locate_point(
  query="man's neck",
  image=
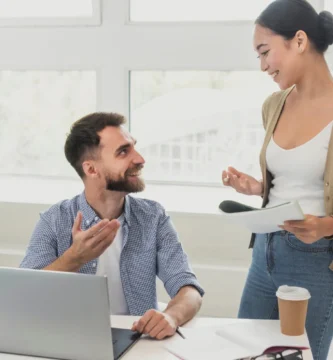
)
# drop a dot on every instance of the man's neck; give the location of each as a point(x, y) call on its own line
point(106, 204)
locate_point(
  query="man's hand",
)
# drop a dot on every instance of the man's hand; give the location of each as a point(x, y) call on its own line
point(87, 245)
point(90, 244)
point(311, 229)
point(156, 324)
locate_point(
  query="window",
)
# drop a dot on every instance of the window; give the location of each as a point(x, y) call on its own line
point(192, 124)
point(49, 12)
point(149, 67)
point(195, 10)
point(37, 109)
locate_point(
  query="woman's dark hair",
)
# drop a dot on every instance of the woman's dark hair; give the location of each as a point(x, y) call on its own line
point(286, 17)
point(83, 139)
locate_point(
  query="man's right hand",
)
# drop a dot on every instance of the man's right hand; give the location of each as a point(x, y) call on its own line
point(242, 183)
point(90, 244)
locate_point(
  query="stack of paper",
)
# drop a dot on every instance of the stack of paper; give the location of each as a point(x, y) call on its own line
point(263, 220)
point(230, 342)
point(203, 344)
point(254, 337)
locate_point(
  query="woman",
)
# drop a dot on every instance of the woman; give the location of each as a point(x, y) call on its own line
point(297, 164)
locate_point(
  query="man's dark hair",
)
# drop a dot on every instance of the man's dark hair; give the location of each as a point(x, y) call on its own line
point(84, 140)
point(286, 17)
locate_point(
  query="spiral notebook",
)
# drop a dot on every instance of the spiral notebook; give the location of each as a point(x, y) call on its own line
point(260, 221)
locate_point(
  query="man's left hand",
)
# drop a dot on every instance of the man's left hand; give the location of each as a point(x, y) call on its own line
point(155, 324)
point(311, 229)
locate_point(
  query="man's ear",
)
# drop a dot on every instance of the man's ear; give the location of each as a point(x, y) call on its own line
point(89, 169)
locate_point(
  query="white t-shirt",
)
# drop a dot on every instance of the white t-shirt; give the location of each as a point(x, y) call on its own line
point(299, 173)
point(108, 264)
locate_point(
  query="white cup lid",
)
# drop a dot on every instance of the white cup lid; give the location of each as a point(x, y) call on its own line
point(294, 293)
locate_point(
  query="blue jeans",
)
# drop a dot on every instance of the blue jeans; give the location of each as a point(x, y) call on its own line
point(281, 259)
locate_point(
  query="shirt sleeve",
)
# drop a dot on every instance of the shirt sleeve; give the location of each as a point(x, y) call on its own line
point(173, 267)
point(42, 249)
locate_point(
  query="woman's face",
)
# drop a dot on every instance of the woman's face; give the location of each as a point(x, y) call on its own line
point(278, 57)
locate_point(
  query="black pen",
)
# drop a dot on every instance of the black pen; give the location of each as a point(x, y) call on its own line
point(179, 333)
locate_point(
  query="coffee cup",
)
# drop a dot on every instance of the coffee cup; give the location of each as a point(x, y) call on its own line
point(293, 306)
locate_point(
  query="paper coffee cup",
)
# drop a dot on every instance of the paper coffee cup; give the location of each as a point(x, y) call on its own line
point(293, 306)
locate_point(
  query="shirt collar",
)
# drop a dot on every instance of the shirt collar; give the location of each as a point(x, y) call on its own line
point(89, 215)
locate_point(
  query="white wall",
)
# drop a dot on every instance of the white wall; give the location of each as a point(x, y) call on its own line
point(218, 252)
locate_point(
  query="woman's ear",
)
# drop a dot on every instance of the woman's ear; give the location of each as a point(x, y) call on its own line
point(301, 40)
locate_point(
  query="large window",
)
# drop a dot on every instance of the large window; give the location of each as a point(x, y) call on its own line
point(192, 124)
point(183, 72)
point(36, 111)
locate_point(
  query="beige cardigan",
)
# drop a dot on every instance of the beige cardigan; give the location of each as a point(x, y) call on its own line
point(271, 112)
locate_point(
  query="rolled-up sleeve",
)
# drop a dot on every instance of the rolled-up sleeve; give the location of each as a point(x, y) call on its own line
point(173, 267)
point(42, 249)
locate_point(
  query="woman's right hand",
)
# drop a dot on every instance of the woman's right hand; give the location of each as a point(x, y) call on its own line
point(242, 183)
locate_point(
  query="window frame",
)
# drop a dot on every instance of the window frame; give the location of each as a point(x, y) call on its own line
point(138, 46)
point(94, 20)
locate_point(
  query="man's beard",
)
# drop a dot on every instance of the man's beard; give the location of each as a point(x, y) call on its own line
point(123, 184)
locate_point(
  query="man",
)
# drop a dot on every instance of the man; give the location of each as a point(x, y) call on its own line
point(105, 231)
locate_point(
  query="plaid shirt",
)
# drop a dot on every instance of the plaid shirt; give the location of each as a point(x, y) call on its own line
point(150, 248)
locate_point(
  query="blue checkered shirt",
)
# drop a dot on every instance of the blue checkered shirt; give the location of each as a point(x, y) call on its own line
point(150, 248)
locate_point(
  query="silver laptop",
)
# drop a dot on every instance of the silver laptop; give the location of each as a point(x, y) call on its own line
point(58, 315)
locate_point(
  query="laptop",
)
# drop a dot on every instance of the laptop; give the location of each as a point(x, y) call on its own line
point(58, 315)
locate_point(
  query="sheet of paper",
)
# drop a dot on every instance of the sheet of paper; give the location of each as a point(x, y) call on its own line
point(265, 220)
point(203, 344)
point(257, 336)
point(231, 341)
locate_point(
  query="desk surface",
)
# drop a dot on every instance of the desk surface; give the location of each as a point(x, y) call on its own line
point(149, 349)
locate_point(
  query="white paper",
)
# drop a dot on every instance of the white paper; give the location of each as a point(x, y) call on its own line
point(256, 336)
point(232, 341)
point(266, 220)
point(203, 344)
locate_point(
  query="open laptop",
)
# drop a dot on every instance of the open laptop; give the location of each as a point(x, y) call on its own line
point(58, 315)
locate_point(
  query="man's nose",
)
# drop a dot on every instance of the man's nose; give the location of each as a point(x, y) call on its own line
point(139, 159)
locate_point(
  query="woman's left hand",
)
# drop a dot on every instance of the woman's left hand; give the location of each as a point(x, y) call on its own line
point(311, 229)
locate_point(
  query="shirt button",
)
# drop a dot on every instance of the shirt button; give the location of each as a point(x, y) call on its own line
point(96, 218)
point(327, 183)
point(87, 222)
point(94, 265)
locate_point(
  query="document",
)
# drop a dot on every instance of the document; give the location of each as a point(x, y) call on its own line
point(240, 340)
point(260, 221)
point(203, 344)
point(256, 337)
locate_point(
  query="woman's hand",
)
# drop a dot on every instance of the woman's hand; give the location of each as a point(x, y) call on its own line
point(242, 183)
point(311, 229)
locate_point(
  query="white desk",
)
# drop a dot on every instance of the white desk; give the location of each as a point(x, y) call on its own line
point(149, 349)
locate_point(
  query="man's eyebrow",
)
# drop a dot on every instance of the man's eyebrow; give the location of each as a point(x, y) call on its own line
point(260, 46)
point(125, 146)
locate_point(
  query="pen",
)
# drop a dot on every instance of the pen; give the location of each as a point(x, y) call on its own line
point(180, 333)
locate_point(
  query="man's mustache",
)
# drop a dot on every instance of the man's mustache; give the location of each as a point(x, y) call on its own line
point(134, 169)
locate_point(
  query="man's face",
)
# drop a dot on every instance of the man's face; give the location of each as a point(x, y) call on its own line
point(119, 164)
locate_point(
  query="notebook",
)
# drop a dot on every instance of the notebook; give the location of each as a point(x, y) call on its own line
point(260, 221)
